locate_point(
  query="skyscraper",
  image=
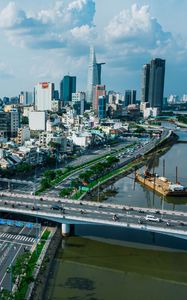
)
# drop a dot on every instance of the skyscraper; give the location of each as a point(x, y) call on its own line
point(98, 90)
point(67, 87)
point(130, 97)
point(145, 83)
point(94, 74)
point(102, 107)
point(156, 82)
point(152, 90)
point(26, 98)
point(99, 69)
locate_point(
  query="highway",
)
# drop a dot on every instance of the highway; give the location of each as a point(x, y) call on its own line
point(125, 155)
point(14, 241)
point(91, 212)
point(124, 159)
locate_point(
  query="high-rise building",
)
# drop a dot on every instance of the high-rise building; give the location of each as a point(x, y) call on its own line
point(9, 123)
point(56, 95)
point(67, 87)
point(94, 74)
point(98, 90)
point(102, 107)
point(99, 69)
point(156, 82)
point(78, 102)
point(145, 83)
point(26, 98)
point(152, 89)
point(77, 97)
point(130, 97)
point(43, 95)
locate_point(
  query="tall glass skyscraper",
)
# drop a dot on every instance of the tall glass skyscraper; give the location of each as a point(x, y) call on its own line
point(67, 87)
point(153, 76)
point(156, 82)
point(145, 83)
point(94, 75)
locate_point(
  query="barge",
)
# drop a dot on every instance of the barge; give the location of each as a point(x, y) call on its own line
point(161, 185)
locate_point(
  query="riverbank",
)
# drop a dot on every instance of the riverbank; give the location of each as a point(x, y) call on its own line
point(92, 195)
point(128, 168)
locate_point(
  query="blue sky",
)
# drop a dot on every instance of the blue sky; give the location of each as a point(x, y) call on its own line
point(44, 40)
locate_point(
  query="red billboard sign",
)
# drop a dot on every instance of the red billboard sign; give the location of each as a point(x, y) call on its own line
point(45, 85)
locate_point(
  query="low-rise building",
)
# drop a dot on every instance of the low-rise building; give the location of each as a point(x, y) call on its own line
point(23, 135)
point(37, 120)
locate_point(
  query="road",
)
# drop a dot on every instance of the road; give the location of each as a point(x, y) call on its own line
point(80, 210)
point(88, 156)
point(14, 241)
point(125, 155)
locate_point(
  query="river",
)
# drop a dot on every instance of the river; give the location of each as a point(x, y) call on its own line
point(93, 269)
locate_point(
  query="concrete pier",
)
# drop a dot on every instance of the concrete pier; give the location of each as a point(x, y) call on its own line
point(65, 229)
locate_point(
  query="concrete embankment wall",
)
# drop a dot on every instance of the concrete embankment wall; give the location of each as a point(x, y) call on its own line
point(120, 235)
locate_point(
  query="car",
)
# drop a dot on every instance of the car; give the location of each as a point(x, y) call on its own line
point(168, 223)
point(181, 223)
point(151, 218)
point(141, 211)
point(35, 208)
point(130, 209)
point(56, 207)
point(157, 212)
point(41, 199)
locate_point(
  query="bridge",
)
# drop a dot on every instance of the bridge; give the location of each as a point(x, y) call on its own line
point(68, 212)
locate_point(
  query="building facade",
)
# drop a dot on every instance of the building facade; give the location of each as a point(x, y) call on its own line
point(102, 102)
point(37, 120)
point(43, 96)
point(9, 124)
point(94, 75)
point(156, 83)
point(130, 97)
point(99, 90)
point(67, 87)
point(145, 83)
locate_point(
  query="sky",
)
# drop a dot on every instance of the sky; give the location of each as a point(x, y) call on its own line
point(47, 39)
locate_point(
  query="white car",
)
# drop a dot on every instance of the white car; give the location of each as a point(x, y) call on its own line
point(152, 218)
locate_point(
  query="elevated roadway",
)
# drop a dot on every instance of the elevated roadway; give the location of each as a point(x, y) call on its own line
point(83, 212)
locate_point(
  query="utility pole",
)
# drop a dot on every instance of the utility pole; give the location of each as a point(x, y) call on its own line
point(176, 174)
point(164, 167)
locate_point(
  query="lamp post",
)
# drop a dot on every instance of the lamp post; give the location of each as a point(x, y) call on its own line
point(98, 198)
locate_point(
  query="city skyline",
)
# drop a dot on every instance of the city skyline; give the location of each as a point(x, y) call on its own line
point(45, 41)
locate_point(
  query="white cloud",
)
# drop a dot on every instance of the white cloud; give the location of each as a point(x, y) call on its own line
point(137, 37)
point(138, 27)
point(49, 28)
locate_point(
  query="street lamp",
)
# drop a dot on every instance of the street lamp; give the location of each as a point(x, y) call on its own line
point(98, 198)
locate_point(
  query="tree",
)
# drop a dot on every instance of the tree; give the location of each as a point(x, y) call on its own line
point(25, 120)
point(45, 183)
point(50, 174)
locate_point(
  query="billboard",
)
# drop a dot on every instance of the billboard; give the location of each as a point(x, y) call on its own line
point(45, 85)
